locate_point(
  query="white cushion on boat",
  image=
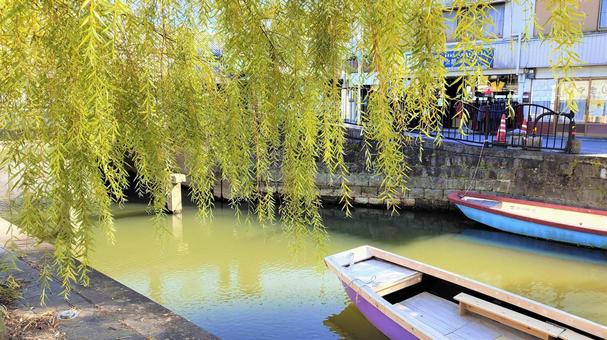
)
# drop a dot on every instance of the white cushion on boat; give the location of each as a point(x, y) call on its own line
point(572, 218)
point(482, 201)
point(379, 274)
point(443, 316)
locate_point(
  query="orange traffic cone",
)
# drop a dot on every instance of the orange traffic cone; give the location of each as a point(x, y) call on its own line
point(501, 133)
point(524, 129)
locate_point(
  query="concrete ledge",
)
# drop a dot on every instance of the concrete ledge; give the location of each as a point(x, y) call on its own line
point(107, 309)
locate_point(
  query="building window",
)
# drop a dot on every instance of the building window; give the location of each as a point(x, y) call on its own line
point(597, 108)
point(496, 13)
point(493, 30)
point(579, 92)
point(543, 92)
point(603, 15)
point(591, 98)
point(450, 24)
point(590, 95)
point(351, 112)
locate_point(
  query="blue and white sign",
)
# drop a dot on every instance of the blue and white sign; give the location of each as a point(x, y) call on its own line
point(453, 58)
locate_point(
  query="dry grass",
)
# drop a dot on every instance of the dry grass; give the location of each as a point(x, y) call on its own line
point(29, 325)
point(10, 291)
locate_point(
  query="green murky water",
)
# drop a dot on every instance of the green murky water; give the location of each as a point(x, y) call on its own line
point(241, 280)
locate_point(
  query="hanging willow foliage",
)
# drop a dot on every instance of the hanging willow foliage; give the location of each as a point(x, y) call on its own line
point(565, 34)
point(90, 89)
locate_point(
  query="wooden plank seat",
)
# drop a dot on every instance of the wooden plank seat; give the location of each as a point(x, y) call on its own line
point(442, 316)
point(571, 335)
point(384, 277)
point(524, 323)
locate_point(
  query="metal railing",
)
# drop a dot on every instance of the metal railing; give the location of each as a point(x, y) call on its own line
point(545, 128)
point(473, 123)
point(479, 124)
point(549, 130)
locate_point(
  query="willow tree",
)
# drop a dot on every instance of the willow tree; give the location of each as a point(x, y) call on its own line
point(246, 90)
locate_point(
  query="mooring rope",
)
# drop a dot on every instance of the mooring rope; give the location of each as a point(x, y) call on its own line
point(351, 263)
point(351, 259)
point(363, 283)
point(478, 163)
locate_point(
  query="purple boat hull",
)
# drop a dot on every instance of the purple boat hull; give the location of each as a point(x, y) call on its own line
point(382, 322)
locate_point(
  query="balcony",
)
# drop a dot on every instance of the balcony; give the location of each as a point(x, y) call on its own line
point(537, 54)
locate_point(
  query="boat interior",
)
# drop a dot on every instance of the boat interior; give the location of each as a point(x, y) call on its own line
point(442, 309)
point(552, 214)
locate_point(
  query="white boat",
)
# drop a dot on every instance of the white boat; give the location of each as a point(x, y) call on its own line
point(407, 299)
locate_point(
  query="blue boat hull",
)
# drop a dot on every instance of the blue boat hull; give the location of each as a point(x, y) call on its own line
point(532, 229)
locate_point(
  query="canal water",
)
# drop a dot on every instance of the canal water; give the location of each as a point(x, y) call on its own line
point(240, 280)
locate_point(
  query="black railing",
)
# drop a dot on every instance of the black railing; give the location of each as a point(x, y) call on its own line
point(527, 126)
point(473, 123)
point(548, 129)
point(479, 124)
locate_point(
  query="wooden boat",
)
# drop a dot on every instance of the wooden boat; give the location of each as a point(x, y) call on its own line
point(407, 299)
point(587, 227)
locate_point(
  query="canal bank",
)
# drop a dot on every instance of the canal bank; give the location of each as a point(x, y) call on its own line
point(559, 178)
point(106, 309)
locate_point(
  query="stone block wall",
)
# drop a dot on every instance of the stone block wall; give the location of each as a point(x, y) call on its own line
point(560, 178)
point(543, 176)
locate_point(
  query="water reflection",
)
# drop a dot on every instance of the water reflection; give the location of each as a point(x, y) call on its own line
point(557, 287)
point(523, 243)
point(351, 324)
point(242, 280)
point(380, 225)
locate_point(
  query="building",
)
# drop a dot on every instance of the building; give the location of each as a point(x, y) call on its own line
point(521, 67)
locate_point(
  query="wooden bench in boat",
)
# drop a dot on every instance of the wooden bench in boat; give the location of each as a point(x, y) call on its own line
point(524, 323)
point(571, 335)
point(383, 277)
point(442, 317)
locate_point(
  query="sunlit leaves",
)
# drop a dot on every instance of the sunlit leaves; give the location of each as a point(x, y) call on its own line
point(94, 90)
point(565, 34)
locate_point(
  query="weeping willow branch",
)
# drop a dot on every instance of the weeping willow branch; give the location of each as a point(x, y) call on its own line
point(90, 89)
point(472, 22)
point(565, 33)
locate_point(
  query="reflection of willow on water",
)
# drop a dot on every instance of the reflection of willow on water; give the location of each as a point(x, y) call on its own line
point(221, 247)
point(351, 324)
point(380, 225)
point(303, 242)
point(244, 222)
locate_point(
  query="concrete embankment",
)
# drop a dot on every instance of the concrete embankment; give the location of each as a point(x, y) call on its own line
point(106, 308)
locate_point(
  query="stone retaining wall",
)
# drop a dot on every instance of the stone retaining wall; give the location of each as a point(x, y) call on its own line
point(545, 176)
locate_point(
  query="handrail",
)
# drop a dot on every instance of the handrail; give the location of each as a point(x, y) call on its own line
point(543, 131)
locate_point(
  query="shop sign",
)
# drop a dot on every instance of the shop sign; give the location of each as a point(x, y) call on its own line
point(453, 58)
